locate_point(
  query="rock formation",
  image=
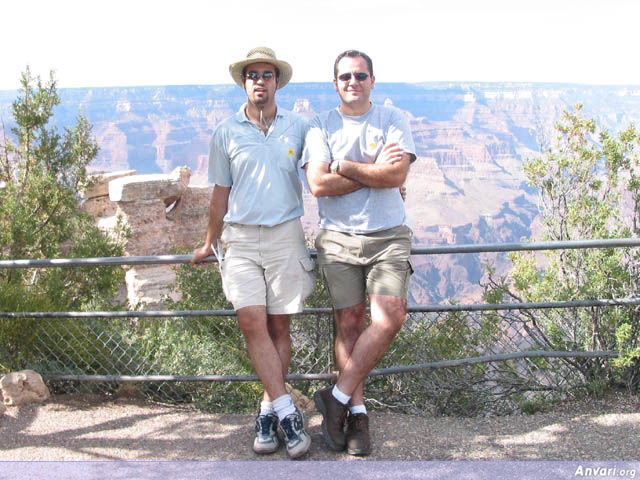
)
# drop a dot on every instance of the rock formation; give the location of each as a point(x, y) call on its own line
point(25, 386)
point(162, 212)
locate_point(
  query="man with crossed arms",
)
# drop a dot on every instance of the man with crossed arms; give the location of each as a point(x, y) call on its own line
point(356, 156)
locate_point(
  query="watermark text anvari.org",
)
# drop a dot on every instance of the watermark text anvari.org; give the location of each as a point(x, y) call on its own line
point(604, 472)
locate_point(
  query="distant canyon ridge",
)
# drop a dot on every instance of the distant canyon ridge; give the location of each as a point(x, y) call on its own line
point(467, 185)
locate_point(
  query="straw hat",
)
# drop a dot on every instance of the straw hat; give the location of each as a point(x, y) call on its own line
point(261, 54)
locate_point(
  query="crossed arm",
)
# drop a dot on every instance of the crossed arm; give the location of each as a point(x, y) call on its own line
point(389, 170)
point(217, 210)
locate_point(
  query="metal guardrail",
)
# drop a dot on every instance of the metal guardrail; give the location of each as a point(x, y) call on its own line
point(331, 376)
point(469, 307)
point(441, 249)
point(433, 250)
point(445, 249)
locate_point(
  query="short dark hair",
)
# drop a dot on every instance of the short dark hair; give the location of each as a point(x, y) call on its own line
point(353, 54)
point(244, 70)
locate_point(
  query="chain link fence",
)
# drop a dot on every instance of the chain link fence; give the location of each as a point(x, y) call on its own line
point(462, 360)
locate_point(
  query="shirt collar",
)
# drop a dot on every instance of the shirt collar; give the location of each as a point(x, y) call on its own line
point(241, 116)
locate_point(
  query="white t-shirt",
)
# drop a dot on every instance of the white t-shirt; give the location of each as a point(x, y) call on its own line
point(332, 136)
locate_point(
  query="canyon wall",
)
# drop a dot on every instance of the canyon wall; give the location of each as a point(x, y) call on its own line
point(467, 185)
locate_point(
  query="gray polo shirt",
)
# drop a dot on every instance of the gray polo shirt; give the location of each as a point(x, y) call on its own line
point(260, 169)
point(333, 135)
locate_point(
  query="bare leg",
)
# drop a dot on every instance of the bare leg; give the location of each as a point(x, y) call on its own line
point(350, 323)
point(280, 334)
point(262, 351)
point(387, 316)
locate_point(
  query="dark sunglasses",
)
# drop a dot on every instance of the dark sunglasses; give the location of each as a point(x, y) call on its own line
point(360, 76)
point(255, 76)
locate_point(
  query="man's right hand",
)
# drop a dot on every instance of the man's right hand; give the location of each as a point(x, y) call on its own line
point(201, 253)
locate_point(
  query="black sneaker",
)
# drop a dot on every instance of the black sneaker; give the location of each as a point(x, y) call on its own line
point(358, 439)
point(266, 440)
point(296, 438)
point(334, 414)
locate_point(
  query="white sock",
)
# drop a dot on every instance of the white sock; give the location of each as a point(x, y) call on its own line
point(284, 406)
point(358, 409)
point(338, 395)
point(266, 408)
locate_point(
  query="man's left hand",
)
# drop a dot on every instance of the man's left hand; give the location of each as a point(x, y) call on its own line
point(390, 153)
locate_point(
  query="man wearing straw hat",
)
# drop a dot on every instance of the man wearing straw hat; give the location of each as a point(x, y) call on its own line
point(356, 156)
point(254, 216)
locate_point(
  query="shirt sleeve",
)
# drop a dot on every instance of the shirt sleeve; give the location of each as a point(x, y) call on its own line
point(316, 146)
point(219, 161)
point(302, 176)
point(399, 132)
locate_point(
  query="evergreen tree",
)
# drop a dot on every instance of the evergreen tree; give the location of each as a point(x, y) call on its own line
point(589, 188)
point(40, 174)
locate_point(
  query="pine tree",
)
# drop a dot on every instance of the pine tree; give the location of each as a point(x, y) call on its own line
point(40, 174)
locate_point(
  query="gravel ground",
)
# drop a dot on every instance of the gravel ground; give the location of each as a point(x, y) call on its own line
point(87, 428)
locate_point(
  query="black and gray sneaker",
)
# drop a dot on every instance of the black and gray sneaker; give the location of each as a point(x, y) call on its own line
point(296, 438)
point(267, 440)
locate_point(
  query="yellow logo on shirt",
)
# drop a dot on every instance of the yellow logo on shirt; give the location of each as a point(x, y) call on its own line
point(291, 152)
point(373, 145)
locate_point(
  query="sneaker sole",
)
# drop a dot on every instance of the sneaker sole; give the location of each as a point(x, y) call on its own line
point(304, 449)
point(359, 453)
point(266, 451)
point(317, 399)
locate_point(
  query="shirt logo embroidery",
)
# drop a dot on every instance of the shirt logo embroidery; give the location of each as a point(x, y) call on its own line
point(373, 145)
point(291, 152)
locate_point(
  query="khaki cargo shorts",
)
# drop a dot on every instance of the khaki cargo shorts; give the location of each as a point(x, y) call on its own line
point(267, 266)
point(355, 264)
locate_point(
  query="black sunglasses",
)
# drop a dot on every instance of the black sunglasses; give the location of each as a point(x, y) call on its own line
point(360, 76)
point(255, 76)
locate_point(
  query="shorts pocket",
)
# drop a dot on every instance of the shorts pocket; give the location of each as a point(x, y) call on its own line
point(309, 276)
point(225, 290)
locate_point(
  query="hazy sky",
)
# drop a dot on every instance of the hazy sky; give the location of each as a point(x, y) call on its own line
point(159, 42)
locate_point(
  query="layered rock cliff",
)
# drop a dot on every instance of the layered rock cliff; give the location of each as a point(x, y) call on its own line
point(161, 211)
point(467, 185)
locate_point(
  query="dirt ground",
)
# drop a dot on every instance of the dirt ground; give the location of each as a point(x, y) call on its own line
point(88, 428)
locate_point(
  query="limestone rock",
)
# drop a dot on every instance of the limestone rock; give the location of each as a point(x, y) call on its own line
point(188, 220)
point(163, 213)
point(100, 207)
point(303, 107)
point(100, 187)
point(146, 219)
point(165, 187)
point(148, 284)
point(300, 399)
point(25, 386)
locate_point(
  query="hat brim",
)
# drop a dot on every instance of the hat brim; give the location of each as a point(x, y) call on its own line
point(235, 69)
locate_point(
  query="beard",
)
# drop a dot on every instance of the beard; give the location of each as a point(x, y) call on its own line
point(260, 99)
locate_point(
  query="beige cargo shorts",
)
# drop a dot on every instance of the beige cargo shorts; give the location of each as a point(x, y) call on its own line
point(267, 266)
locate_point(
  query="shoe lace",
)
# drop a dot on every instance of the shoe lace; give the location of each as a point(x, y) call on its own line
point(358, 422)
point(265, 424)
point(291, 425)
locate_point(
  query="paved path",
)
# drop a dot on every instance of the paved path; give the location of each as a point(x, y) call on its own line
point(77, 428)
